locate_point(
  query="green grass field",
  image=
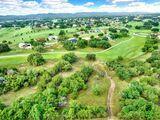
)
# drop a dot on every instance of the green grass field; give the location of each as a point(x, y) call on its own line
point(10, 97)
point(87, 96)
point(127, 49)
point(14, 35)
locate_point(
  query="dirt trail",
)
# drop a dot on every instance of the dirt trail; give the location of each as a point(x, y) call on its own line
point(111, 89)
point(110, 96)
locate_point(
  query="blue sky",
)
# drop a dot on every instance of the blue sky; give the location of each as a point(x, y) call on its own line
point(23, 7)
point(98, 2)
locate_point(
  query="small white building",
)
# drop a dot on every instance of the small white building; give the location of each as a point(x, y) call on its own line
point(52, 37)
point(74, 25)
point(25, 46)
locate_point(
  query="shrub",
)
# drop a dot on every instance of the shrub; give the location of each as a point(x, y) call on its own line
point(91, 57)
point(124, 73)
point(70, 57)
point(96, 43)
point(113, 30)
point(4, 48)
point(39, 49)
point(103, 44)
point(96, 90)
point(36, 59)
point(120, 58)
point(150, 45)
point(82, 43)
point(2, 106)
point(62, 66)
point(155, 29)
point(68, 45)
point(93, 43)
point(80, 111)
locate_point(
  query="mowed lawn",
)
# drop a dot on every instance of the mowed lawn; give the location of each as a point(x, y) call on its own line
point(128, 49)
point(22, 59)
point(25, 34)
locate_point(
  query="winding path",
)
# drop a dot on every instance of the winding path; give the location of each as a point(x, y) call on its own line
point(110, 91)
point(110, 96)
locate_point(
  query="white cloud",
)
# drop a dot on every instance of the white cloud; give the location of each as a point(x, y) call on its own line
point(88, 4)
point(137, 4)
point(19, 7)
point(117, 1)
point(132, 7)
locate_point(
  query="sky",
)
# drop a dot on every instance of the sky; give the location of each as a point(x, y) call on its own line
point(25, 7)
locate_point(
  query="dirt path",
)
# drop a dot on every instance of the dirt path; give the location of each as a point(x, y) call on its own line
point(110, 91)
point(110, 96)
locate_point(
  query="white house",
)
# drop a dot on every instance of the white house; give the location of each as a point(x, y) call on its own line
point(25, 46)
point(74, 25)
point(52, 37)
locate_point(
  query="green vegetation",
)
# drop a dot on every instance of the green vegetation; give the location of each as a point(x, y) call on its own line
point(80, 111)
point(70, 57)
point(82, 43)
point(91, 57)
point(36, 59)
point(68, 45)
point(150, 45)
point(139, 102)
point(80, 68)
point(39, 49)
point(4, 48)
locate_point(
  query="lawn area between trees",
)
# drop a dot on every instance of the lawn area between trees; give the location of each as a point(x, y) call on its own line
point(128, 49)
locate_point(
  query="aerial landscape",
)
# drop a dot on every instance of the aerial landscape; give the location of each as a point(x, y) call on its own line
point(79, 60)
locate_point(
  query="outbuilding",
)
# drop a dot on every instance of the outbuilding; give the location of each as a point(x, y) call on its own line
point(25, 46)
point(73, 40)
point(52, 37)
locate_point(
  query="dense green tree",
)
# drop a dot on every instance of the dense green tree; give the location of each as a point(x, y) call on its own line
point(103, 44)
point(124, 32)
point(93, 43)
point(70, 57)
point(61, 66)
point(39, 49)
point(113, 30)
point(138, 27)
point(124, 74)
point(68, 45)
point(147, 25)
point(35, 59)
point(4, 48)
point(80, 111)
point(150, 45)
point(62, 33)
point(2, 106)
point(155, 29)
point(82, 43)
